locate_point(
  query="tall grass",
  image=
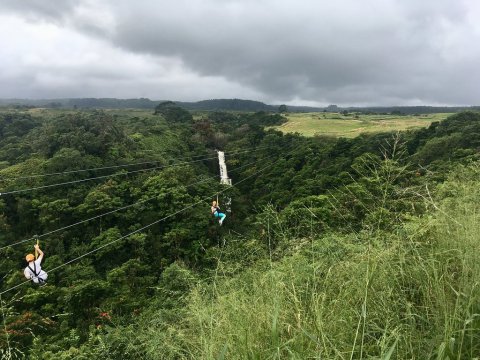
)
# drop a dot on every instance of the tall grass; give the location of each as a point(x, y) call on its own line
point(409, 294)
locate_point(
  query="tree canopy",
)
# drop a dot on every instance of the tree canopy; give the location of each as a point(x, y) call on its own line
point(307, 214)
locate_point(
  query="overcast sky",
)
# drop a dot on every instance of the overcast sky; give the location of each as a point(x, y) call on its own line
point(310, 52)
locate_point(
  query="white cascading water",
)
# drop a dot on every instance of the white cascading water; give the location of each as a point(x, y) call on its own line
point(224, 179)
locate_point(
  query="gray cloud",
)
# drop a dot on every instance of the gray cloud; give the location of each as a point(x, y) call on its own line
point(38, 10)
point(347, 52)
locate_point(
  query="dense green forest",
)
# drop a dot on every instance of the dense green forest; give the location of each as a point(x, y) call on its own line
point(333, 249)
point(219, 105)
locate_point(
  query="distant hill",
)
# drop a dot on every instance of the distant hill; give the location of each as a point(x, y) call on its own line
point(90, 103)
point(410, 110)
point(144, 103)
point(228, 104)
point(216, 105)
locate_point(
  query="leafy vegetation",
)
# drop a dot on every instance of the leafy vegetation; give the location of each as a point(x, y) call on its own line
point(335, 248)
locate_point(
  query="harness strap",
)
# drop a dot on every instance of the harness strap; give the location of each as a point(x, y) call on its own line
point(34, 270)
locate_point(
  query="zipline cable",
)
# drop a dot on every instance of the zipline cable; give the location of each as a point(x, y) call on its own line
point(100, 177)
point(92, 218)
point(113, 167)
point(113, 211)
point(138, 230)
point(79, 170)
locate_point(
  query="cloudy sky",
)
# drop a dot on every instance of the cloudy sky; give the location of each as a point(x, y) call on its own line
point(310, 52)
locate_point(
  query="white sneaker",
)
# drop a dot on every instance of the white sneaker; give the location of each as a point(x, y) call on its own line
point(220, 222)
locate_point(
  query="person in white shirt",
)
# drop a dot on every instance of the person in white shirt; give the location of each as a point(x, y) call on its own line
point(34, 271)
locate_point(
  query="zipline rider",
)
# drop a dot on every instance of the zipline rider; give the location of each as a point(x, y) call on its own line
point(34, 271)
point(216, 212)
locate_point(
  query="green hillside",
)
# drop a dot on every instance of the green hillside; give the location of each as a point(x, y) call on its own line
point(334, 248)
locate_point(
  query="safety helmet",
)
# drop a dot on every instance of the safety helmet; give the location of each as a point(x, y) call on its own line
point(30, 257)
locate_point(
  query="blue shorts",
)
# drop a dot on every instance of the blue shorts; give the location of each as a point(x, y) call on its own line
point(218, 214)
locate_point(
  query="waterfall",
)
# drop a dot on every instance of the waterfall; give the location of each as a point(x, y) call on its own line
point(224, 179)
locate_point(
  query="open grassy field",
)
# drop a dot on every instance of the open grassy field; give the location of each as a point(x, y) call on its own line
point(335, 124)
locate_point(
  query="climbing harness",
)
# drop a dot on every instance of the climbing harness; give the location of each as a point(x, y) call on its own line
point(36, 275)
